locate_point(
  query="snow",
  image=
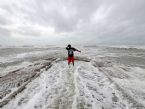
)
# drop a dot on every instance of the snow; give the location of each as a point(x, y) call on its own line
point(97, 81)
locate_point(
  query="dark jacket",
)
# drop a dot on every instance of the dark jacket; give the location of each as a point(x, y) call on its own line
point(71, 51)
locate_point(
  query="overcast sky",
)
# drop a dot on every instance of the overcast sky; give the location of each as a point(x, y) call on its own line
point(50, 22)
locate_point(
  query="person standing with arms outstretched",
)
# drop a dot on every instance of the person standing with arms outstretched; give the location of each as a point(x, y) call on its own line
point(71, 54)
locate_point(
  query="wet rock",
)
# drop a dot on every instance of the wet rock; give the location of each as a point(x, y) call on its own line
point(18, 84)
point(89, 105)
point(114, 98)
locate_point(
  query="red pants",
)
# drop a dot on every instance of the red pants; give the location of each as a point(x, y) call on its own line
point(71, 59)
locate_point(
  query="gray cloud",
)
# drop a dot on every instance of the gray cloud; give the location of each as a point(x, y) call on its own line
point(2, 21)
point(5, 38)
point(28, 31)
point(4, 32)
point(79, 21)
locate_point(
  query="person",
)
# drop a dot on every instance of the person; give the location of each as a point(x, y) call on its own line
point(71, 54)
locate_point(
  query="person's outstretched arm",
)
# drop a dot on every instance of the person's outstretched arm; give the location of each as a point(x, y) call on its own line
point(77, 50)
